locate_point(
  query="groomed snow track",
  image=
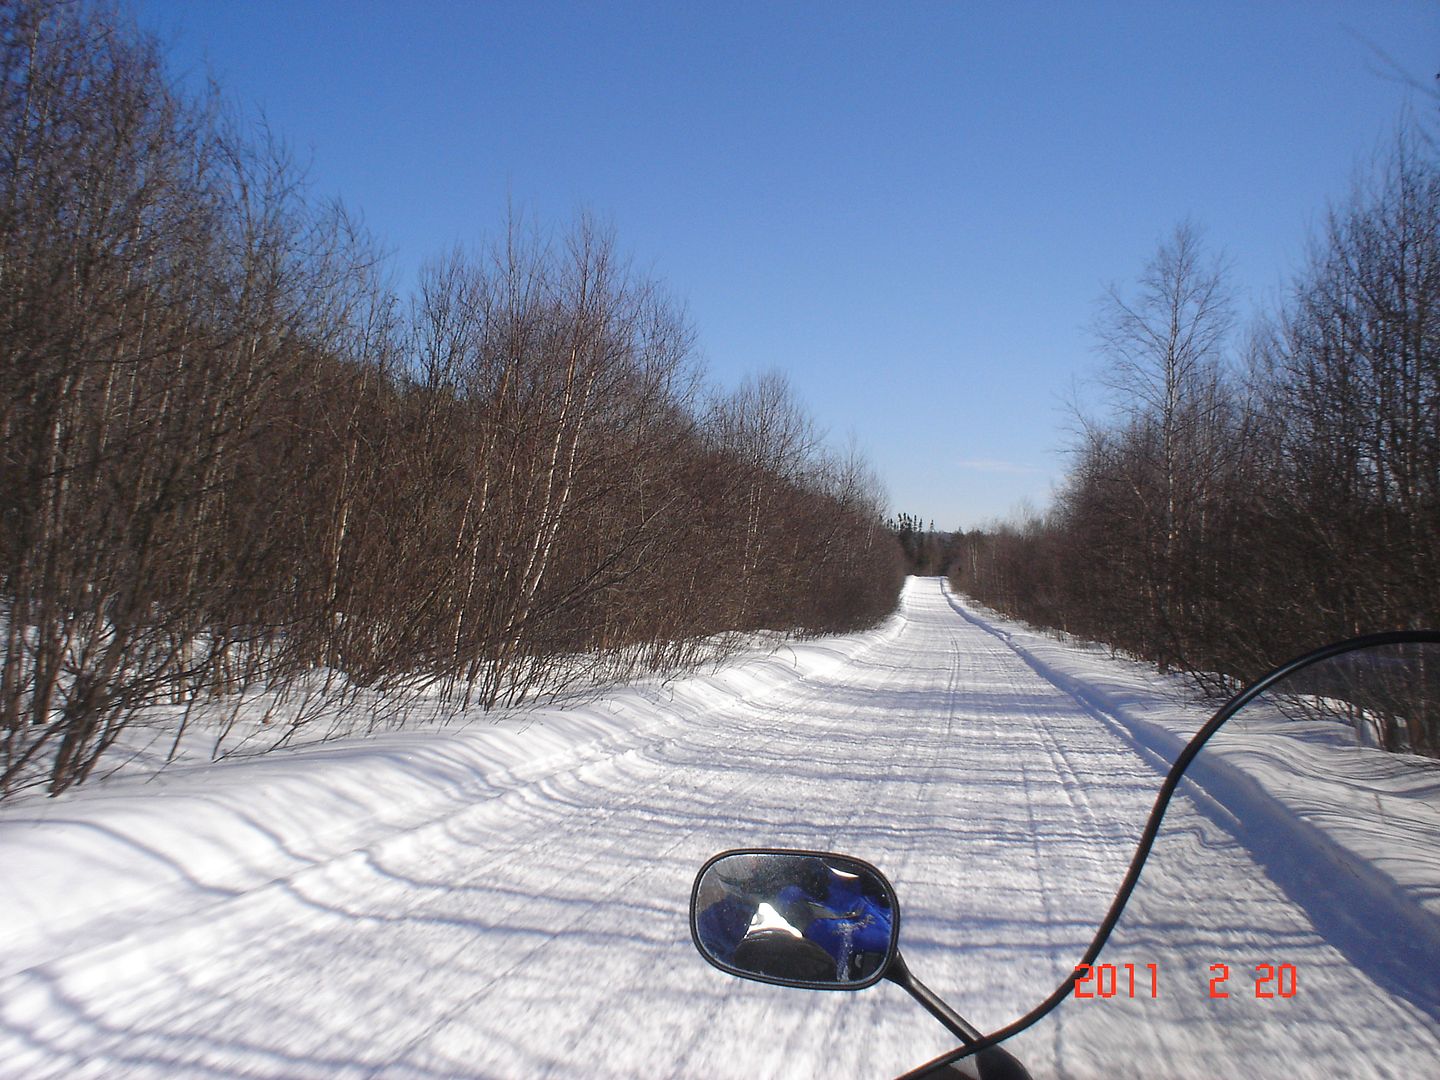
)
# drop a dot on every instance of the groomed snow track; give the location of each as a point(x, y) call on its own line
point(509, 900)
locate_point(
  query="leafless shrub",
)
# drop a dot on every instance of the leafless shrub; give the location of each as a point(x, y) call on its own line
point(233, 466)
point(1221, 525)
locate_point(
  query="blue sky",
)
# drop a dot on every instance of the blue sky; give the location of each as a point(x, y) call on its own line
point(909, 208)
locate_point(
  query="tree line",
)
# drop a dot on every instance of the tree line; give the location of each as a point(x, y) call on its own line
point(927, 551)
point(1235, 506)
point(231, 457)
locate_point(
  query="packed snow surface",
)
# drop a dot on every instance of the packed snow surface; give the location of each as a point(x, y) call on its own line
point(509, 898)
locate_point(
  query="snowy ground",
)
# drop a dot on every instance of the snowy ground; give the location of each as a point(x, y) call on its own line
point(509, 900)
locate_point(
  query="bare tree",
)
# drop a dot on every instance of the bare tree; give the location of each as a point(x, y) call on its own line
point(231, 462)
point(1164, 348)
point(1355, 397)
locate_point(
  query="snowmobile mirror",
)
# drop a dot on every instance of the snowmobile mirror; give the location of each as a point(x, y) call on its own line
point(795, 918)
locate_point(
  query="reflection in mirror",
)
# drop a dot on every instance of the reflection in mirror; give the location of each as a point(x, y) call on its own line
point(799, 918)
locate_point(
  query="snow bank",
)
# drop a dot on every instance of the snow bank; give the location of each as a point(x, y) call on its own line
point(1351, 834)
point(137, 849)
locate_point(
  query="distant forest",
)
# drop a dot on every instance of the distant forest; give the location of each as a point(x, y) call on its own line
point(1236, 505)
point(232, 458)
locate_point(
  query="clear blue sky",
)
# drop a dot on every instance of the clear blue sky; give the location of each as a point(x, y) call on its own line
point(909, 208)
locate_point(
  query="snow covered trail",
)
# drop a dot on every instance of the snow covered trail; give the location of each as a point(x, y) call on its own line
point(523, 913)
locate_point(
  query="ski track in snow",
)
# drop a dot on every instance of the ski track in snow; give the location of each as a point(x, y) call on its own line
point(526, 916)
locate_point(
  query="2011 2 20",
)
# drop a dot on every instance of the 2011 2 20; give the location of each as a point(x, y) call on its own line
point(1131, 981)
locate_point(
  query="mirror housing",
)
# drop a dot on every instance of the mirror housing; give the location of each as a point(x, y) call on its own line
point(809, 919)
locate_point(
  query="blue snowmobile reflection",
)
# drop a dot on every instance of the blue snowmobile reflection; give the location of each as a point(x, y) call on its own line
point(796, 917)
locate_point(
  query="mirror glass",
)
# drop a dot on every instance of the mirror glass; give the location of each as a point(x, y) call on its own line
point(797, 918)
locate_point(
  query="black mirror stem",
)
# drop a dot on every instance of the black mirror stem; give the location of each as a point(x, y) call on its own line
point(899, 974)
